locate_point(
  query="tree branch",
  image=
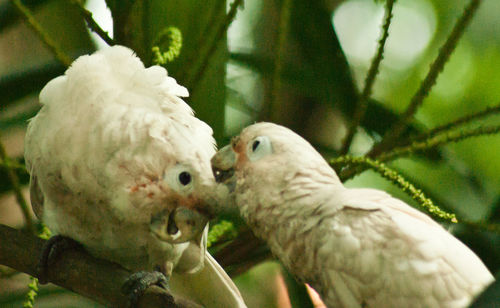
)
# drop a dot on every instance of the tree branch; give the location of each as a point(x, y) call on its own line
point(194, 78)
point(467, 119)
point(78, 271)
point(425, 87)
point(14, 180)
point(398, 180)
point(46, 39)
point(359, 112)
point(242, 253)
point(439, 139)
point(271, 111)
point(92, 24)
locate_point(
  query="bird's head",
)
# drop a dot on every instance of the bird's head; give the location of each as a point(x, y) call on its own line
point(182, 211)
point(265, 157)
point(169, 192)
point(186, 216)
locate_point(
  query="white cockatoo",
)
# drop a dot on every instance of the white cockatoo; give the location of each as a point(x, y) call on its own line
point(356, 247)
point(117, 160)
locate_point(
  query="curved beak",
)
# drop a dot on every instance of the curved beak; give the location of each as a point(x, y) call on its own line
point(223, 165)
point(179, 225)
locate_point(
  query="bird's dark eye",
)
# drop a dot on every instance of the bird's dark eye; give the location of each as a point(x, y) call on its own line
point(184, 178)
point(255, 145)
point(258, 148)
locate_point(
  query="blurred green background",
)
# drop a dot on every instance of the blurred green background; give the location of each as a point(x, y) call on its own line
point(324, 56)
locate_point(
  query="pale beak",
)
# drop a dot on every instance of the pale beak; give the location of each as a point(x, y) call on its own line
point(223, 165)
point(178, 226)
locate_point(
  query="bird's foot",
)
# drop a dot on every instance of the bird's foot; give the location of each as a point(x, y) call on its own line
point(138, 282)
point(50, 251)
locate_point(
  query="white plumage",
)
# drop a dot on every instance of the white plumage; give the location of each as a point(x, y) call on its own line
point(105, 154)
point(356, 247)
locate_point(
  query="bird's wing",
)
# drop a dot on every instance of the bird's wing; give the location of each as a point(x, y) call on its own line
point(210, 286)
point(36, 196)
point(470, 275)
point(384, 252)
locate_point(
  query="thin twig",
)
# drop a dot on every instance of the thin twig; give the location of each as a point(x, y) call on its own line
point(434, 141)
point(92, 24)
point(275, 86)
point(360, 110)
point(14, 180)
point(32, 293)
point(459, 122)
point(33, 286)
point(46, 39)
point(429, 81)
point(193, 82)
point(397, 179)
point(217, 12)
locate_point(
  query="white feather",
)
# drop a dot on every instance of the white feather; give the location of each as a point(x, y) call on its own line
point(108, 132)
point(354, 246)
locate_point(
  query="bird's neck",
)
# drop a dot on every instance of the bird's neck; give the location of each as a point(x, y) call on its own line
point(282, 213)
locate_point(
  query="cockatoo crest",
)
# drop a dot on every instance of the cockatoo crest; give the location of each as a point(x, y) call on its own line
point(114, 71)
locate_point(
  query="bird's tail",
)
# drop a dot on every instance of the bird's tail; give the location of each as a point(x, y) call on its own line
point(210, 286)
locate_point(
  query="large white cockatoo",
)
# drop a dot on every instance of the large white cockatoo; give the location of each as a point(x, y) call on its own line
point(356, 247)
point(117, 162)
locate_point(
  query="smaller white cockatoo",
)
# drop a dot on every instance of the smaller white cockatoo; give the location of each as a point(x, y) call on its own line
point(117, 162)
point(356, 247)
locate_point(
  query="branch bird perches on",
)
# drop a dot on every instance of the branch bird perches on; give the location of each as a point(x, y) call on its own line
point(78, 271)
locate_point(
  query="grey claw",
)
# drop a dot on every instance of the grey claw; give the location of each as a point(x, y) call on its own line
point(138, 282)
